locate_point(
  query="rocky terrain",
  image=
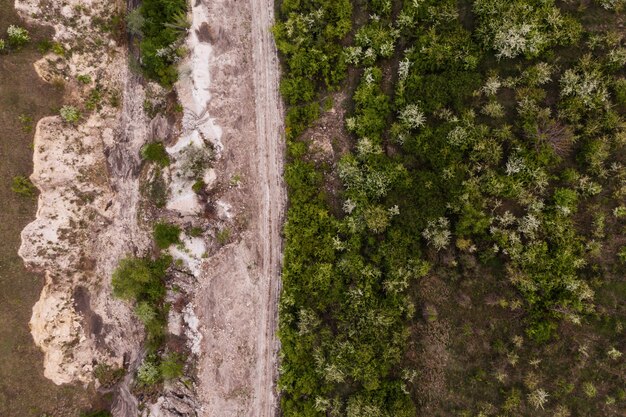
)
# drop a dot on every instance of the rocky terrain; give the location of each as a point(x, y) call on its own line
point(91, 211)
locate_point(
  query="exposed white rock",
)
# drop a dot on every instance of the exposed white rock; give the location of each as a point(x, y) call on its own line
point(87, 209)
point(191, 251)
point(192, 330)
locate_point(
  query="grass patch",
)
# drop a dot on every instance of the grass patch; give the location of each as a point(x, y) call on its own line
point(223, 236)
point(23, 186)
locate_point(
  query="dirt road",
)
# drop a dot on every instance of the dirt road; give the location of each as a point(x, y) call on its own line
point(237, 298)
point(269, 118)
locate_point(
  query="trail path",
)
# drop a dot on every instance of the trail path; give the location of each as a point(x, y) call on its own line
point(237, 298)
point(269, 118)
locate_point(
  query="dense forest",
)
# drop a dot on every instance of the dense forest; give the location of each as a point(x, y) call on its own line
point(460, 250)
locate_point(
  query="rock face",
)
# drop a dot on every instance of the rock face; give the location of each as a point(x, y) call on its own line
point(89, 192)
point(90, 210)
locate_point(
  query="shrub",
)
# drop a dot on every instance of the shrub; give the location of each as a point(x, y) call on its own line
point(155, 152)
point(93, 100)
point(162, 27)
point(27, 122)
point(83, 79)
point(58, 49)
point(620, 91)
point(135, 22)
point(223, 236)
point(172, 366)
point(590, 390)
point(140, 279)
point(130, 278)
point(149, 372)
point(517, 28)
point(2, 45)
point(166, 234)
point(23, 186)
point(145, 312)
point(198, 186)
point(70, 114)
point(17, 36)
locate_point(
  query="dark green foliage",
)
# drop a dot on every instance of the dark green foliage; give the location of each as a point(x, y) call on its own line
point(162, 31)
point(94, 99)
point(166, 234)
point(493, 164)
point(155, 152)
point(23, 186)
point(620, 91)
point(172, 366)
point(198, 186)
point(195, 231)
point(308, 36)
point(142, 280)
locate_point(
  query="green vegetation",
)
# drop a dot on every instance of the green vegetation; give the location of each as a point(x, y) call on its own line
point(161, 25)
point(473, 237)
point(26, 122)
point(172, 366)
point(154, 370)
point(70, 114)
point(84, 79)
point(23, 186)
point(142, 281)
point(94, 99)
point(108, 376)
point(17, 36)
point(223, 236)
point(166, 234)
point(155, 152)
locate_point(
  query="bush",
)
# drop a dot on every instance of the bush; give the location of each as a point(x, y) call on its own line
point(166, 235)
point(140, 279)
point(223, 236)
point(149, 372)
point(84, 79)
point(70, 114)
point(23, 186)
point(162, 26)
point(135, 22)
point(17, 36)
point(622, 254)
point(155, 152)
point(620, 91)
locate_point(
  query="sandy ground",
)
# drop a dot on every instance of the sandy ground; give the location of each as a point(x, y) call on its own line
point(237, 298)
